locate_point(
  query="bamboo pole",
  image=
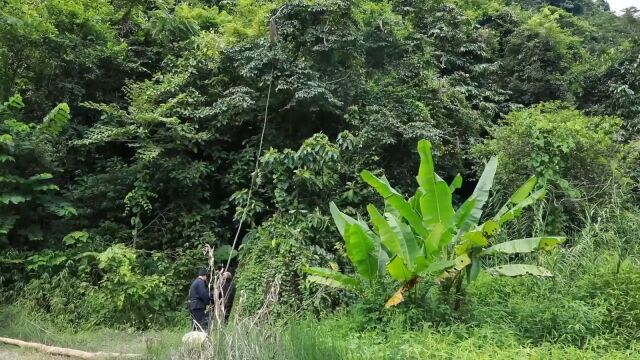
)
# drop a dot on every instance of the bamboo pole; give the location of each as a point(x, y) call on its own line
point(54, 350)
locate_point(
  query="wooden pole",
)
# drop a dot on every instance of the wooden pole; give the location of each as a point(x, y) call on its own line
point(54, 350)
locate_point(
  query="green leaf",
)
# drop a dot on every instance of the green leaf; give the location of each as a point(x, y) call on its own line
point(12, 199)
point(520, 270)
point(398, 270)
point(502, 217)
point(464, 212)
point(361, 251)
point(435, 204)
point(479, 196)
point(340, 219)
point(46, 187)
point(6, 139)
point(433, 242)
point(56, 120)
point(438, 266)
point(393, 237)
point(332, 278)
point(525, 245)
point(471, 240)
point(15, 102)
point(393, 198)
point(456, 183)
point(74, 236)
point(42, 176)
point(519, 195)
point(224, 253)
point(7, 158)
point(524, 190)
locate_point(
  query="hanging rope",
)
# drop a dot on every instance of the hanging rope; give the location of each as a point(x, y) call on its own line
point(273, 34)
point(255, 170)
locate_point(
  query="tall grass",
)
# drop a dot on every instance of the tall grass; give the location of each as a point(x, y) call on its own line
point(16, 322)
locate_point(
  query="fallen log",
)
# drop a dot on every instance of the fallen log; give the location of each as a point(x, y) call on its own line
point(54, 350)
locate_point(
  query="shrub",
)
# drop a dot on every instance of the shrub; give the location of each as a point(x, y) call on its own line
point(574, 155)
point(279, 250)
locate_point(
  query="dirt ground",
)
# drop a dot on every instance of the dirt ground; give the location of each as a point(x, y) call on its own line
point(8, 352)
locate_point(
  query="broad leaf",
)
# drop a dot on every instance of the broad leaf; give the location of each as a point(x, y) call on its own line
point(435, 204)
point(524, 245)
point(332, 278)
point(340, 219)
point(12, 199)
point(456, 183)
point(512, 213)
point(438, 267)
point(433, 242)
point(361, 251)
point(519, 195)
point(396, 237)
point(393, 198)
point(471, 240)
point(56, 120)
point(461, 217)
point(520, 270)
point(480, 195)
point(398, 270)
point(42, 176)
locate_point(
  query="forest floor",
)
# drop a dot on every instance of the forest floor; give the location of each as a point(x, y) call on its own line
point(10, 352)
point(151, 345)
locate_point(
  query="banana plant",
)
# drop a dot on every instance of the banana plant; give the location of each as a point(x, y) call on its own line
point(426, 236)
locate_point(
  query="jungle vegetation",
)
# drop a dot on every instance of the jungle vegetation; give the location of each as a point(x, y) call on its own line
point(130, 131)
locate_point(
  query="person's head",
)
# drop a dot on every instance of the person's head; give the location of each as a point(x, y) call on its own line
point(202, 274)
point(226, 275)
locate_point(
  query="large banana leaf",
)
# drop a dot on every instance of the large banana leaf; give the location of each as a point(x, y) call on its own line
point(340, 219)
point(362, 251)
point(461, 217)
point(479, 196)
point(433, 242)
point(438, 267)
point(471, 240)
point(399, 271)
point(435, 204)
point(332, 278)
point(400, 243)
point(519, 195)
point(456, 183)
point(503, 216)
point(393, 198)
point(520, 270)
point(524, 245)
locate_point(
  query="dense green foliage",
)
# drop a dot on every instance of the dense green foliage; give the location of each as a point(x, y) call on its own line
point(425, 236)
point(129, 132)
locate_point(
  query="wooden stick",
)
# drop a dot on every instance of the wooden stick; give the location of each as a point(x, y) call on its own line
point(54, 350)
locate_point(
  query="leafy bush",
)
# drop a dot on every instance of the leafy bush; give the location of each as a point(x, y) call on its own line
point(106, 289)
point(28, 154)
point(573, 155)
point(279, 250)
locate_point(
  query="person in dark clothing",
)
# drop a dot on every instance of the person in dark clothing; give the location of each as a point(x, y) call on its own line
point(227, 294)
point(198, 300)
